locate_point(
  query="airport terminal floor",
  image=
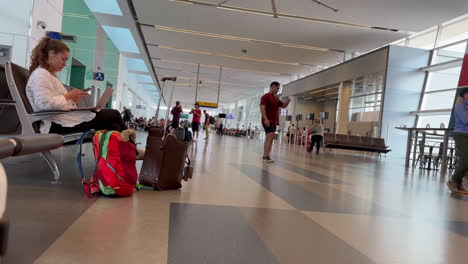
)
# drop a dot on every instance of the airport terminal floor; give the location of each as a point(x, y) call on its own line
point(332, 208)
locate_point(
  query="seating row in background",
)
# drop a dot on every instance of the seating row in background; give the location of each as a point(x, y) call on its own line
point(340, 141)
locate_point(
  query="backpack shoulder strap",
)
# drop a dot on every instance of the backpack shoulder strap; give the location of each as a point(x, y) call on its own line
point(79, 163)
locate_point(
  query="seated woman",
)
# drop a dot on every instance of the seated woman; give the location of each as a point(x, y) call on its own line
point(46, 92)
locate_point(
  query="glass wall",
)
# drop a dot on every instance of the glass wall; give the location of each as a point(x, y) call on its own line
point(448, 43)
point(440, 87)
point(438, 36)
point(365, 105)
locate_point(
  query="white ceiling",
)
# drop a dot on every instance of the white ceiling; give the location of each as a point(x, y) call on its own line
point(404, 15)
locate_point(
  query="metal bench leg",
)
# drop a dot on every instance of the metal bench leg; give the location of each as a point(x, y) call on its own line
point(53, 165)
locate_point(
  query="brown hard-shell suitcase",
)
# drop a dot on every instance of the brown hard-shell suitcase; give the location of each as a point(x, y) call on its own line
point(165, 163)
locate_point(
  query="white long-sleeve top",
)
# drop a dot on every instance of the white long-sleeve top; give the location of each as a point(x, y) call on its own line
point(317, 130)
point(46, 92)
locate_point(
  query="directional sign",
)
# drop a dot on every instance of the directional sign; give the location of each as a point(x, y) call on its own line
point(207, 104)
point(99, 76)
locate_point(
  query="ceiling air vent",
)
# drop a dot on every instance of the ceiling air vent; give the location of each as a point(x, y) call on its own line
point(68, 38)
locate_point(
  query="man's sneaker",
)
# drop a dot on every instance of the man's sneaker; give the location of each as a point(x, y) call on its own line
point(458, 188)
point(267, 159)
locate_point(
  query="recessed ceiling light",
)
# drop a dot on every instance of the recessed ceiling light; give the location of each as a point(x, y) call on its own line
point(143, 78)
point(213, 35)
point(104, 6)
point(136, 65)
point(282, 15)
point(183, 2)
point(217, 66)
point(322, 90)
point(122, 38)
point(228, 56)
point(267, 13)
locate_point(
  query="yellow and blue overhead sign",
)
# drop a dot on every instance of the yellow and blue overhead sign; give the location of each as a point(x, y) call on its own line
point(207, 104)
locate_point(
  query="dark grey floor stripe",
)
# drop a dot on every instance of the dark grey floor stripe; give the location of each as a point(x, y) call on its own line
point(313, 175)
point(213, 234)
point(39, 212)
point(308, 197)
point(459, 227)
point(296, 238)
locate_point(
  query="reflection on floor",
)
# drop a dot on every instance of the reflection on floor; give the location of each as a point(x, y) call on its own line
point(304, 208)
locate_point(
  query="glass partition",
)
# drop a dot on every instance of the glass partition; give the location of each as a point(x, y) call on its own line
point(365, 105)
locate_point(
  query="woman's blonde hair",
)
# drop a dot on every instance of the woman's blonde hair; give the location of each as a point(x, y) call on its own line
point(40, 53)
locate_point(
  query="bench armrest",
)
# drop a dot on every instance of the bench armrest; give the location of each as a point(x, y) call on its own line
point(26, 145)
point(50, 112)
point(40, 115)
point(7, 102)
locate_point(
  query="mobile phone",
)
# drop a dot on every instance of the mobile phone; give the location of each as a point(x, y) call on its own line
point(86, 90)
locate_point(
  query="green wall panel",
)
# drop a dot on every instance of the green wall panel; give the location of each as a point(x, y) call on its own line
point(78, 20)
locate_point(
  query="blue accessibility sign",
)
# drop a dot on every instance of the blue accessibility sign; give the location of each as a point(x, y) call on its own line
point(99, 76)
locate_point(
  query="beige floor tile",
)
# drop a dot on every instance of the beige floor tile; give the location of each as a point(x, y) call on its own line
point(395, 240)
point(121, 230)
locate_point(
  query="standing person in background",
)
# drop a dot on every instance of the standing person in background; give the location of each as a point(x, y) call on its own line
point(292, 134)
point(460, 135)
point(196, 119)
point(249, 129)
point(221, 128)
point(269, 107)
point(176, 111)
point(317, 136)
point(127, 116)
point(206, 124)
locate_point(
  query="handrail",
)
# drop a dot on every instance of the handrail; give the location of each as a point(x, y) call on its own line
point(443, 65)
point(451, 44)
point(446, 90)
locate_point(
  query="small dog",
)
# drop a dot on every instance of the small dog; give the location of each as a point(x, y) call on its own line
point(129, 135)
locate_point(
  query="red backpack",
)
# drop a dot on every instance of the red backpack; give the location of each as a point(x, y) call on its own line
point(116, 172)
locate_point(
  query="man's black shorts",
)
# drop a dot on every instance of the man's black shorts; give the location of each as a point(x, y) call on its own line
point(195, 126)
point(175, 125)
point(270, 129)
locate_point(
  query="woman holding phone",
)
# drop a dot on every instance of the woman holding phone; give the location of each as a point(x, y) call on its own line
point(46, 92)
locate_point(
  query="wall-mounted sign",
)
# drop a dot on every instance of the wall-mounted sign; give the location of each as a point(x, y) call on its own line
point(54, 35)
point(207, 104)
point(98, 76)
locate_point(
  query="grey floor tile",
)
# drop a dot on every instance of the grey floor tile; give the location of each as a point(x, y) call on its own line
point(311, 196)
point(213, 234)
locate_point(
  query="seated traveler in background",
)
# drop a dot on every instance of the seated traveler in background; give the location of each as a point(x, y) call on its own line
point(46, 92)
point(460, 135)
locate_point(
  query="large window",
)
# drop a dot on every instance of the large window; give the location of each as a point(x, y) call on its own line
point(449, 53)
point(454, 31)
point(365, 99)
point(440, 88)
point(365, 104)
point(424, 40)
point(438, 36)
point(450, 40)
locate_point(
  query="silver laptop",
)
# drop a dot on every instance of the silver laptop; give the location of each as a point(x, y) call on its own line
point(101, 103)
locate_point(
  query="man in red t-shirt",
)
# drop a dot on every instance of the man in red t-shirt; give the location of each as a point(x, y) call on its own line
point(206, 124)
point(176, 111)
point(269, 106)
point(197, 113)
